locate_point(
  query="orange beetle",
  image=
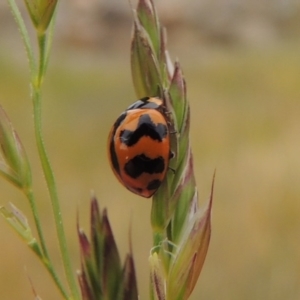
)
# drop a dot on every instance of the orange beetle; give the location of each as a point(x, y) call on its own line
point(139, 146)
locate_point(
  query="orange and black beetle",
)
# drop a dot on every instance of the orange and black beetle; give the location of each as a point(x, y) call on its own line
point(139, 146)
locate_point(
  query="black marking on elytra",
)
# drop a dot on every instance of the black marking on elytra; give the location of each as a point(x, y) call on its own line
point(113, 154)
point(143, 104)
point(145, 128)
point(154, 184)
point(142, 164)
point(119, 121)
point(112, 150)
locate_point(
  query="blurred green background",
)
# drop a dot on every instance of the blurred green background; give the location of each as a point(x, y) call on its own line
point(244, 92)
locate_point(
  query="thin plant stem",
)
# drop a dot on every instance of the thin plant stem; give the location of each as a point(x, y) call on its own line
point(50, 180)
point(42, 58)
point(36, 81)
point(46, 258)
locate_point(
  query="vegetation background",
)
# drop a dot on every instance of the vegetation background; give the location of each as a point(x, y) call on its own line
point(241, 61)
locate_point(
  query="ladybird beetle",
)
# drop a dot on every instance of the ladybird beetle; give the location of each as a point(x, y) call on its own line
point(139, 146)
